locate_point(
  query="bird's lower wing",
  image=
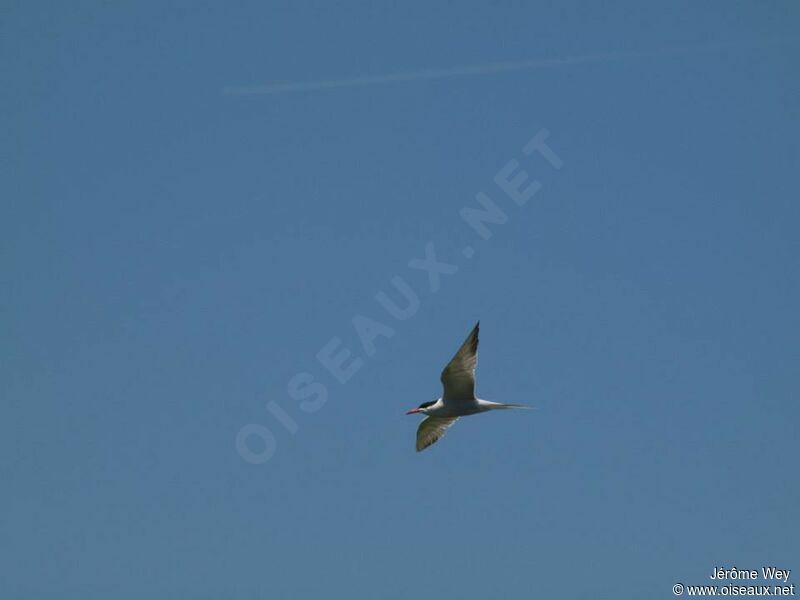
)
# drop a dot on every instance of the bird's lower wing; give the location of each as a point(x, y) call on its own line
point(431, 430)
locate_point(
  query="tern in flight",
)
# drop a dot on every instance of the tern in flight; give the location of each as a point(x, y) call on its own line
point(458, 399)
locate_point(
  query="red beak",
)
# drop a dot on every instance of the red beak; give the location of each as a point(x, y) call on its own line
point(413, 410)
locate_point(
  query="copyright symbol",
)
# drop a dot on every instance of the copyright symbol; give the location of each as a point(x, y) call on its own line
point(677, 589)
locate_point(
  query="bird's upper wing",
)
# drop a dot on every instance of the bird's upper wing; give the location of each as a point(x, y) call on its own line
point(458, 377)
point(431, 430)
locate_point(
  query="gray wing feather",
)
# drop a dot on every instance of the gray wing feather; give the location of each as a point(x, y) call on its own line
point(458, 377)
point(431, 430)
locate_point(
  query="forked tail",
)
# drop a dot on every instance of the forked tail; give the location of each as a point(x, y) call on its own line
point(504, 405)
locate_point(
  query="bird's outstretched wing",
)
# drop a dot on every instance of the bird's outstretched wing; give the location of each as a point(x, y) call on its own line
point(431, 430)
point(458, 377)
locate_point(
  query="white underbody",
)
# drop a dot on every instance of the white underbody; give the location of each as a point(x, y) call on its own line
point(462, 407)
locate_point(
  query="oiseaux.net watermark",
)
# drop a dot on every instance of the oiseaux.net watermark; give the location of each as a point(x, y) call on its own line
point(766, 581)
point(513, 187)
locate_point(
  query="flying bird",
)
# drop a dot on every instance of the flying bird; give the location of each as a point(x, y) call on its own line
point(458, 399)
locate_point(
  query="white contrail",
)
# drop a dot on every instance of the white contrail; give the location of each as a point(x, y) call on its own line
point(485, 69)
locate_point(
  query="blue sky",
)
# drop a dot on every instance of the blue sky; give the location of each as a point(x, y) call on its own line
point(172, 256)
